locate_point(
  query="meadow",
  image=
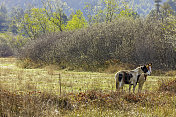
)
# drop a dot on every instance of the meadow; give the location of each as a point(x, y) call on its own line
point(51, 92)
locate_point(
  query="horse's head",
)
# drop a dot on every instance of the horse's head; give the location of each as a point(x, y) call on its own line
point(144, 69)
point(141, 69)
point(149, 67)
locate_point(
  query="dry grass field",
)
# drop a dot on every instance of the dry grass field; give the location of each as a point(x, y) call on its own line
point(50, 92)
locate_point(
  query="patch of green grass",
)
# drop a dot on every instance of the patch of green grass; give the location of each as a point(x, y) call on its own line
point(47, 79)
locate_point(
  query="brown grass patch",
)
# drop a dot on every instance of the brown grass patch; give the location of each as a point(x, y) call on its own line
point(112, 66)
point(171, 73)
point(167, 85)
point(32, 104)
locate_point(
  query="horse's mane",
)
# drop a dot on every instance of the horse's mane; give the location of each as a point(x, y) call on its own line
point(137, 69)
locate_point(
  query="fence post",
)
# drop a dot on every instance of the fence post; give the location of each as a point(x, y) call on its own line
point(60, 83)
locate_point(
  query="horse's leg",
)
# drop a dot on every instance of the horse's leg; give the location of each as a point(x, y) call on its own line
point(134, 86)
point(130, 87)
point(140, 86)
point(121, 85)
point(117, 84)
point(122, 89)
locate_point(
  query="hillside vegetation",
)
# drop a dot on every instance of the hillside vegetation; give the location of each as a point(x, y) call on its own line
point(127, 40)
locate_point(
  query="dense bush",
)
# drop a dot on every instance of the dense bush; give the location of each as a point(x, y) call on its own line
point(11, 44)
point(127, 40)
point(5, 49)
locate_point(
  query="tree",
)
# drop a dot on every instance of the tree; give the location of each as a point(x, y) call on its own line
point(126, 11)
point(16, 15)
point(55, 13)
point(3, 18)
point(78, 21)
point(99, 11)
point(89, 12)
point(172, 3)
point(170, 29)
point(111, 9)
point(35, 22)
point(166, 10)
point(108, 10)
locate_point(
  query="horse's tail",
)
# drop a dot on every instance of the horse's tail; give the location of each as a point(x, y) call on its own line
point(118, 78)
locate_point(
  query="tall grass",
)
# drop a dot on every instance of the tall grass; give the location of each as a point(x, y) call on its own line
point(168, 85)
point(35, 92)
point(90, 103)
point(31, 104)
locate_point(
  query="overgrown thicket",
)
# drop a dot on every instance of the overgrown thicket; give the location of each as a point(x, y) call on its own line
point(5, 49)
point(127, 40)
point(11, 45)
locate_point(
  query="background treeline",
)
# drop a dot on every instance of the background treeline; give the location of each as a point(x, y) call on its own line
point(108, 32)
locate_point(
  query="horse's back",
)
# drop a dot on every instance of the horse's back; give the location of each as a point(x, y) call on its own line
point(125, 75)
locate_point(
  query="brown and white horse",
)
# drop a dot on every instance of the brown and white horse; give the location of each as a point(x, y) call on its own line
point(131, 77)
